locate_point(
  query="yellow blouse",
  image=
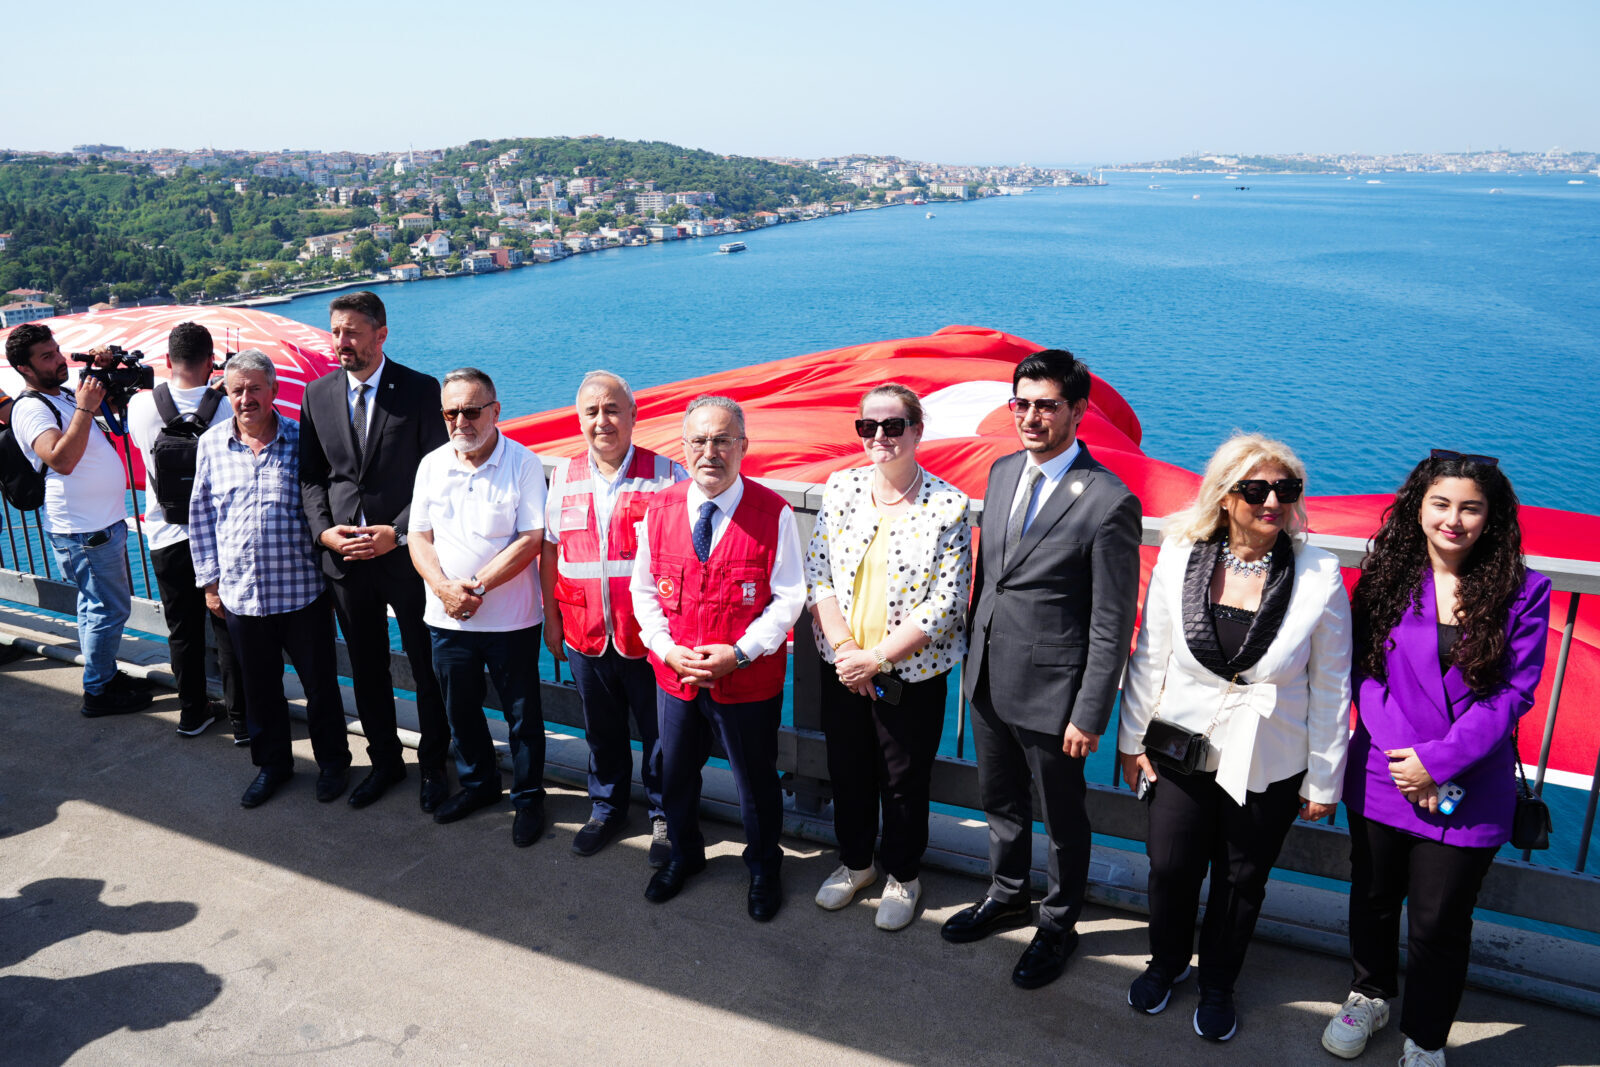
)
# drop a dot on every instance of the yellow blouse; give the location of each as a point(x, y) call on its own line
point(869, 607)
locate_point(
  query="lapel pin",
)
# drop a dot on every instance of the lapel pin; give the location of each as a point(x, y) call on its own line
point(1076, 487)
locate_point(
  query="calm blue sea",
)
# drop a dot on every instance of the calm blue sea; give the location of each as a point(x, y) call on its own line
point(1362, 323)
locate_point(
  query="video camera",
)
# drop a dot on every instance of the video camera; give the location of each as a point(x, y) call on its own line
point(126, 376)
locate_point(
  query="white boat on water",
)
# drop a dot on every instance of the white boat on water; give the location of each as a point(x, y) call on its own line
point(929, 215)
point(1373, 181)
point(1493, 191)
point(731, 247)
point(1575, 181)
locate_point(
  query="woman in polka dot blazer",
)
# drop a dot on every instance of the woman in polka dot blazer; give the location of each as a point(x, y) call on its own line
point(888, 572)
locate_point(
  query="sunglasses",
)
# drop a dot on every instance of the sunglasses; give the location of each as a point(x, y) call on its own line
point(1256, 490)
point(470, 414)
point(1043, 407)
point(866, 429)
point(1465, 457)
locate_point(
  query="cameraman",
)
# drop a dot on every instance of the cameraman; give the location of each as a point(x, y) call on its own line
point(84, 512)
point(189, 353)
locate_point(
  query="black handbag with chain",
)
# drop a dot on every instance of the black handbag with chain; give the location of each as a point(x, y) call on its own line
point(1530, 822)
point(1175, 747)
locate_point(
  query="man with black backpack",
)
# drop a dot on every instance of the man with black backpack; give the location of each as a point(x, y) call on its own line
point(166, 423)
point(83, 510)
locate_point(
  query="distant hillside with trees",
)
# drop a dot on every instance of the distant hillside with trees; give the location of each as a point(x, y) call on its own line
point(742, 184)
point(92, 230)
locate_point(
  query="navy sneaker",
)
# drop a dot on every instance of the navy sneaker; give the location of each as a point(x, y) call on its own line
point(1151, 990)
point(1215, 1019)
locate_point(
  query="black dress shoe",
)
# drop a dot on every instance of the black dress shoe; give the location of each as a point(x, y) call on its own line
point(766, 897)
point(669, 880)
point(1043, 961)
point(376, 783)
point(435, 788)
point(597, 834)
point(986, 917)
point(331, 783)
point(528, 825)
point(261, 790)
point(465, 803)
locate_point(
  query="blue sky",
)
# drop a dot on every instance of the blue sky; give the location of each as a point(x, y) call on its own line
point(1015, 81)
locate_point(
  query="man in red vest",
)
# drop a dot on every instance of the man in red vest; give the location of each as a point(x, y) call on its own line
point(596, 501)
point(717, 584)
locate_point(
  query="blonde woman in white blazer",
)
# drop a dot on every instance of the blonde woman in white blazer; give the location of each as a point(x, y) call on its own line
point(888, 574)
point(1245, 639)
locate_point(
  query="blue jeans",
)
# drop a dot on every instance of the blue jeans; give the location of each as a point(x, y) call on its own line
point(105, 596)
point(511, 658)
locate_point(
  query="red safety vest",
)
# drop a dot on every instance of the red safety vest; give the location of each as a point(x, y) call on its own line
point(714, 602)
point(592, 571)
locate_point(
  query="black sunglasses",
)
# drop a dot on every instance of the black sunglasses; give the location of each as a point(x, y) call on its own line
point(470, 413)
point(1255, 490)
point(1045, 407)
point(1465, 457)
point(867, 429)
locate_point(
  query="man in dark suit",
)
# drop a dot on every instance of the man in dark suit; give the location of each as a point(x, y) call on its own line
point(1054, 597)
point(363, 430)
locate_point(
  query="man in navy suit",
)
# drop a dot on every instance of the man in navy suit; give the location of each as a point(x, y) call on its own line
point(1053, 603)
point(363, 430)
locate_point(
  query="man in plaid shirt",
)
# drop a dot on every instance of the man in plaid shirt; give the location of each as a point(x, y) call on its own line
point(253, 556)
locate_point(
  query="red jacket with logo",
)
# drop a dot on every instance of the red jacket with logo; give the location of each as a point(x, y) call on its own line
point(714, 602)
point(592, 572)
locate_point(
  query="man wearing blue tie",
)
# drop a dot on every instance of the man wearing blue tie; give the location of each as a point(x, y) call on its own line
point(717, 584)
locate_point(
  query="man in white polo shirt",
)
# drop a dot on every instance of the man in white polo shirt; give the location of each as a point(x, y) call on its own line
point(477, 527)
point(84, 513)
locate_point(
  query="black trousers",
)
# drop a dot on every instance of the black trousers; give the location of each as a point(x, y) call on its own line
point(1440, 884)
point(1010, 760)
point(184, 607)
point(306, 635)
point(511, 658)
point(362, 599)
point(881, 756)
point(609, 687)
point(749, 736)
point(1194, 825)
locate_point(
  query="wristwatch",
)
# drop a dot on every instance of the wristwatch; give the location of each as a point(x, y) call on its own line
point(479, 590)
point(400, 539)
point(740, 658)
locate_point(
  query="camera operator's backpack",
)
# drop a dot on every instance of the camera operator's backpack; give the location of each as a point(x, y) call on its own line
point(21, 482)
point(173, 453)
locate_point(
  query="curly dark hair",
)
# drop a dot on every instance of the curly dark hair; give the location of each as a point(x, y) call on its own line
point(1492, 576)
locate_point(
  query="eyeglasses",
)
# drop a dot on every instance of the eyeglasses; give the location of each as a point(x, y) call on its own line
point(868, 428)
point(1465, 457)
point(1255, 490)
point(470, 414)
point(718, 444)
point(1043, 407)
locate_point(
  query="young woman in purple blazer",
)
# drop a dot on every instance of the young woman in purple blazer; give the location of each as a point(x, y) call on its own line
point(1450, 641)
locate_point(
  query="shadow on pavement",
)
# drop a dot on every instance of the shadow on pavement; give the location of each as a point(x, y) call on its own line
point(54, 909)
point(47, 1020)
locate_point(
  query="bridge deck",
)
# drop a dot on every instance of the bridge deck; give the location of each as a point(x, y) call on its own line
point(145, 917)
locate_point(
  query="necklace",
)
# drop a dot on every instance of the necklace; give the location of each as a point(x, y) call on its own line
point(884, 501)
point(1250, 569)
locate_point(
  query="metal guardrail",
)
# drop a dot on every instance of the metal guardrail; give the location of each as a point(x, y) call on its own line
point(1530, 890)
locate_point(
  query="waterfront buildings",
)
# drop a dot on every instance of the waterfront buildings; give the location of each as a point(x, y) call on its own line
point(24, 311)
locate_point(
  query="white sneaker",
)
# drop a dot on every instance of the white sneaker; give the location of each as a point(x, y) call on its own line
point(898, 905)
point(1360, 1018)
point(842, 886)
point(1412, 1056)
